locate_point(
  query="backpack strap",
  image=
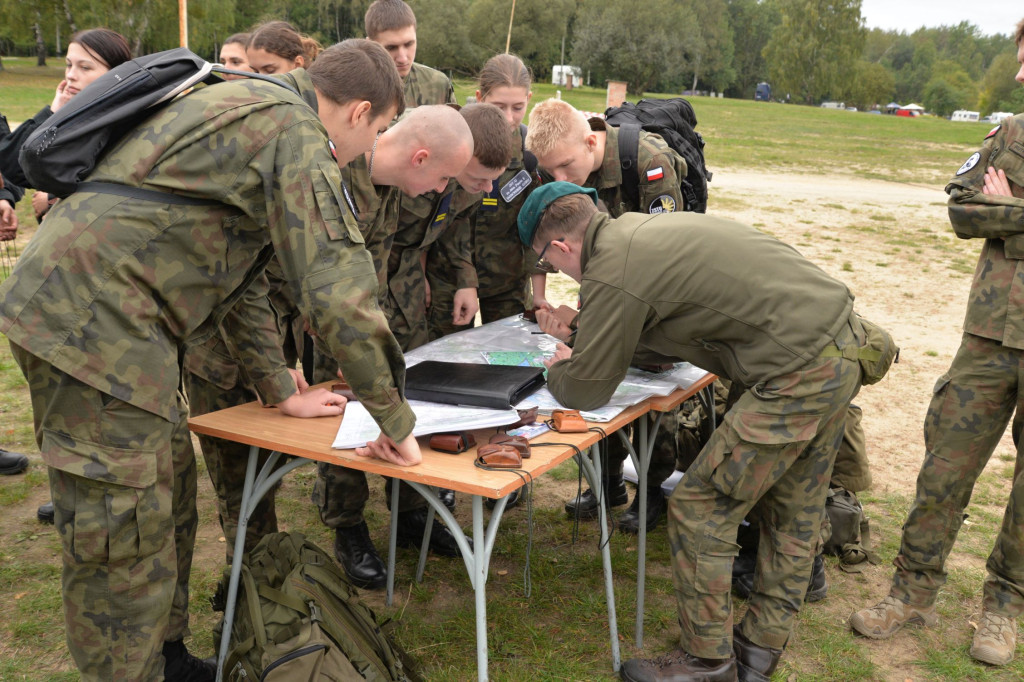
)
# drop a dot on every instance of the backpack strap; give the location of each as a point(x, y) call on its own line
point(144, 194)
point(629, 160)
point(218, 68)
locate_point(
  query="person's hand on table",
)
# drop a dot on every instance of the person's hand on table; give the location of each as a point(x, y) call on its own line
point(405, 453)
point(316, 402)
point(562, 352)
point(300, 381)
point(465, 306)
point(549, 323)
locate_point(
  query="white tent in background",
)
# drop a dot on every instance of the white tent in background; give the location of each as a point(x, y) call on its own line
point(913, 107)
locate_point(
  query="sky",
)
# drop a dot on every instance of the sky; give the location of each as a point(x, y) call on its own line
point(998, 16)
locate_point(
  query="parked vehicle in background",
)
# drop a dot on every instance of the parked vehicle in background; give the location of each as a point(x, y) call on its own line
point(998, 116)
point(964, 115)
point(833, 105)
point(909, 113)
point(763, 93)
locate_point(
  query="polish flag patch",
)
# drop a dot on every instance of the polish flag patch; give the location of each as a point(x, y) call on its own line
point(655, 174)
point(993, 131)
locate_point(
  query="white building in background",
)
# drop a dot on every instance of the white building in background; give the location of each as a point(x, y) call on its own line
point(563, 74)
point(964, 115)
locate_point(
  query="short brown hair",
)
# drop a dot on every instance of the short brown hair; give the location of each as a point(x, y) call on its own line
point(282, 39)
point(358, 69)
point(493, 141)
point(504, 70)
point(387, 15)
point(240, 38)
point(553, 122)
point(564, 217)
point(1019, 35)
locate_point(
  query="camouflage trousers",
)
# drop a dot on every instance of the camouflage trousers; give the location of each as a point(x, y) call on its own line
point(971, 406)
point(341, 493)
point(774, 449)
point(226, 462)
point(494, 306)
point(123, 485)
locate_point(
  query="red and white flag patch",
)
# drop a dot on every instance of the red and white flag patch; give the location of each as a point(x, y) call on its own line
point(655, 174)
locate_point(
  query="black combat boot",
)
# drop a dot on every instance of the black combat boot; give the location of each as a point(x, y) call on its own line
point(359, 558)
point(45, 513)
point(679, 666)
point(629, 522)
point(12, 463)
point(753, 663)
point(181, 666)
point(412, 524)
point(447, 497)
point(817, 588)
point(615, 496)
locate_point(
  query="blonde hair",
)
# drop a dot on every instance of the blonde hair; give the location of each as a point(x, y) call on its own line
point(553, 122)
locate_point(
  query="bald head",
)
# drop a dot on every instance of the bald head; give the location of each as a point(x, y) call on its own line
point(427, 147)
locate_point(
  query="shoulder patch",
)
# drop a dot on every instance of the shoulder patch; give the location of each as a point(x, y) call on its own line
point(969, 163)
point(655, 174)
point(662, 204)
point(993, 131)
point(515, 186)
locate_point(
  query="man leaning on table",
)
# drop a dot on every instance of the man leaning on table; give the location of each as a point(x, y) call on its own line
point(743, 305)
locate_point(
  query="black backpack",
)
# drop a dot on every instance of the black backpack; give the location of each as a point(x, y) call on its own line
point(64, 150)
point(674, 121)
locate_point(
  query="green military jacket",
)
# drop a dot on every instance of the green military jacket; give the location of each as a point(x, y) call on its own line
point(425, 85)
point(680, 286)
point(422, 221)
point(377, 209)
point(659, 166)
point(115, 287)
point(994, 309)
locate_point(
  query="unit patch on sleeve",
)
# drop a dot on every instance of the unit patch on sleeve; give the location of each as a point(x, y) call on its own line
point(993, 131)
point(515, 186)
point(655, 174)
point(662, 204)
point(969, 163)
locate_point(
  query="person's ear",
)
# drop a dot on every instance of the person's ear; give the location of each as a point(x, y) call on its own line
point(360, 113)
point(477, 95)
point(529, 96)
point(300, 62)
point(420, 157)
point(561, 245)
point(591, 140)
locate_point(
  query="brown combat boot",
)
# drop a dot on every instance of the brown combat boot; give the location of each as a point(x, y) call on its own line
point(753, 663)
point(679, 666)
point(889, 615)
point(995, 639)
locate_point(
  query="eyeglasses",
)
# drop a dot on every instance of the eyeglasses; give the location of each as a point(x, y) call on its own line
point(542, 264)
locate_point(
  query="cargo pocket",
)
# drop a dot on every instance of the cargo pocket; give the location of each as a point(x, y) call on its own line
point(210, 366)
point(752, 449)
point(939, 411)
point(338, 220)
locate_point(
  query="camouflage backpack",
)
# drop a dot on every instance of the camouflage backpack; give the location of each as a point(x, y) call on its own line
point(298, 618)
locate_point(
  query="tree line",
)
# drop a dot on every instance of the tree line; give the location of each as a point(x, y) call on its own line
point(809, 50)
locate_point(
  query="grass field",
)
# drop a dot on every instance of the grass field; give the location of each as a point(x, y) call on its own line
point(559, 631)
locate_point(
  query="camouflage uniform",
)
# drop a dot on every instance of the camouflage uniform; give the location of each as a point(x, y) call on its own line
point(341, 493)
point(975, 399)
point(424, 85)
point(102, 303)
point(765, 329)
point(502, 271)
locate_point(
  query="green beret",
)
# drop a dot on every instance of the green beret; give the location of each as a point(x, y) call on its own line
point(538, 202)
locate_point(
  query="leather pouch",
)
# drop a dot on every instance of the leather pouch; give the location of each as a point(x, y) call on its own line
point(520, 443)
point(525, 417)
point(568, 421)
point(452, 443)
point(498, 456)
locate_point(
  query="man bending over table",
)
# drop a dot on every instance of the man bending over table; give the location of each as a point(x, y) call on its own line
point(743, 305)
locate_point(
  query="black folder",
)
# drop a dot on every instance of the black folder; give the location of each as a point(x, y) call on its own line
point(462, 383)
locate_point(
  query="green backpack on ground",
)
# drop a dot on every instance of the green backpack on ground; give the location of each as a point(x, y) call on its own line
point(298, 618)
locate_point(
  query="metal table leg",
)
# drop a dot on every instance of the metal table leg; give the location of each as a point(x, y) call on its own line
point(592, 471)
point(253, 490)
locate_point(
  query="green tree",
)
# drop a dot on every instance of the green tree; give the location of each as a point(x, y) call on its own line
point(537, 30)
point(998, 85)
point(950, 88)
point(872, 84)
point(711, 54)
point(752, 24)
point(637, 43)
point(813, 49)
point(439, 45)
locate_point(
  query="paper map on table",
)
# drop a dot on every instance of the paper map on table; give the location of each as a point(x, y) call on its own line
point(358, 427)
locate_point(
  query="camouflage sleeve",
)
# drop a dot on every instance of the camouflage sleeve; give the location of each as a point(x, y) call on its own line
point(974, 214)
point(254, 341)
point(322, 257)
point(455, 248)
point(608, 332)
